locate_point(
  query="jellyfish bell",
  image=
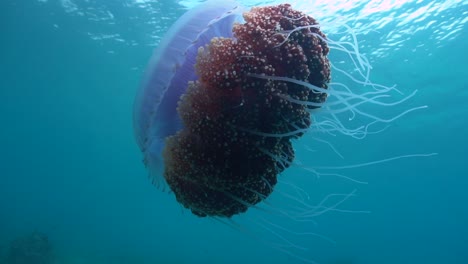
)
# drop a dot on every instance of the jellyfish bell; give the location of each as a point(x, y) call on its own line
point(168, 73)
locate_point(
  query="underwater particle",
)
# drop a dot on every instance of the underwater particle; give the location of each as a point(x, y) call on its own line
point(237, 128)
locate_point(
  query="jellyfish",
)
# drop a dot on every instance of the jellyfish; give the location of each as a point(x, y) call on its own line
point(229, 93)
point(229, 90)
point(215, 148)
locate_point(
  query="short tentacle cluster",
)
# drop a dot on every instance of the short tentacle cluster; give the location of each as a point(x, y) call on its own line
point(222, 162)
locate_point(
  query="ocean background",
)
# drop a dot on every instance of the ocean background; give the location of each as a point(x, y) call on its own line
point(70, 167)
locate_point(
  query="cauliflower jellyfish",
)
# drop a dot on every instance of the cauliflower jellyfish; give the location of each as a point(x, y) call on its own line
point(229, 96)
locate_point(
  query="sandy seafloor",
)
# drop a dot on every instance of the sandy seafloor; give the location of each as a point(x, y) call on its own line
point(70, 167)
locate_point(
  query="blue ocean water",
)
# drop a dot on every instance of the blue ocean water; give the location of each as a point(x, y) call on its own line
point(70, 167)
